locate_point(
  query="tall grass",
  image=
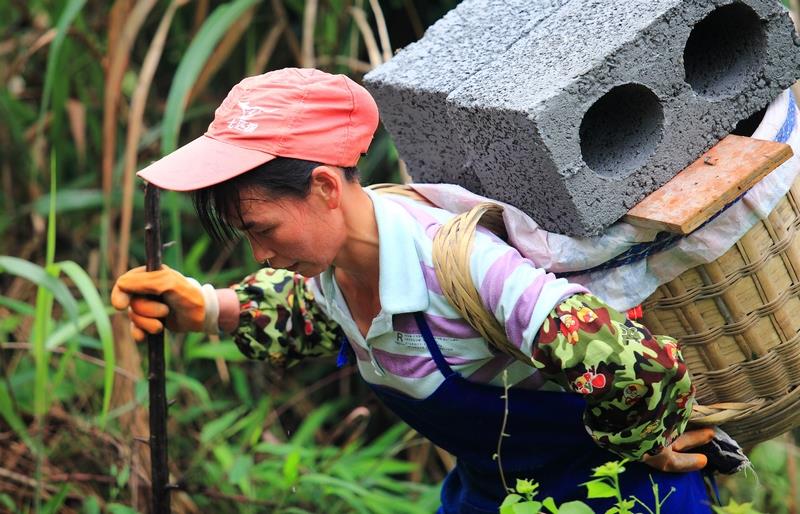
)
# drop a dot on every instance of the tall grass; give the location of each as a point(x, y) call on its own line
point(154, 76)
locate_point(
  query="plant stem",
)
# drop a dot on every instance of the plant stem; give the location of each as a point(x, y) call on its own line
point(616, 488)
point(655, 495)
point(503, 430)
point(156, 379)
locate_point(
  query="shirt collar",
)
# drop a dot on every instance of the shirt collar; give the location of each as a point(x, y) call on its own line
point(401, 285)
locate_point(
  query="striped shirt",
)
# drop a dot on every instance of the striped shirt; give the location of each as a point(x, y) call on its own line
point(394, 353)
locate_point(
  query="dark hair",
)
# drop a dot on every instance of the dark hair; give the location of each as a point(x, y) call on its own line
point(278, 178)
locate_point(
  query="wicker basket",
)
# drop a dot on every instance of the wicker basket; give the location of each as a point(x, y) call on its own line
point(733, 317)
point(737, 321)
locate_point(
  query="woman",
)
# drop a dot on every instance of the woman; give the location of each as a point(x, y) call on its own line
point(277, 165)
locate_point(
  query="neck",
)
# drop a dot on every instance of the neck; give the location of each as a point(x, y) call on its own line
point(359, 258)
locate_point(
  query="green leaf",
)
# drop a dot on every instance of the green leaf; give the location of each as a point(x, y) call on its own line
point(336, 484)
point(509, 502)
point(528, 507)
point(42, 321)
point(387, 443)
point(51, 216)
point(194, 60)
point(575, 507)
point(90, 506)
point(99, 313)
point(241, 384)
point(191, 262)
point(69, 200)
point(241, 468)
point(59, 389)
point(550, 505)
point(291, 468)
point(118, 508)
point(7, 502)
point(13, 419)
point(770, 456)
point(214, 428)
point(8, 325)
point(610, 469)
point(190, 384)
point(69, 13)
point(253, 424)
point(224, 455)
point(68, 330)
point(354, 501)
point(736, 508)
point(306, 431)
point(600, 489)
point(39, 276)
point(23, 308)
point(57, 501)
point(123, 475)
point(627, 505)
point(225, 349)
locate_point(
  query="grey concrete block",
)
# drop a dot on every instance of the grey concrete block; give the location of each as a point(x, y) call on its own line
point(596, 104)
point(411, 89)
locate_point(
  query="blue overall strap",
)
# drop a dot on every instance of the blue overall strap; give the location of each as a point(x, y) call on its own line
point(711, 483)
point(430, 342)
point(345, 353)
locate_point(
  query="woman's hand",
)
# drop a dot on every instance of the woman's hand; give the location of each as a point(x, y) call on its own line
point(675, 459)
point(181, 305)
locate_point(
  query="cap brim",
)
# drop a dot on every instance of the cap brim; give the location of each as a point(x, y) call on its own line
point(202, 163)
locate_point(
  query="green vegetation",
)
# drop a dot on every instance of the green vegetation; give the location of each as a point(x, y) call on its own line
point(92, 92)
point(605, 483)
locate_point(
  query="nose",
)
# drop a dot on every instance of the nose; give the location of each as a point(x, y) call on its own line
point(261, 253)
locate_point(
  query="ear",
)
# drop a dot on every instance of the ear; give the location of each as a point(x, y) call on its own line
point(327, 183)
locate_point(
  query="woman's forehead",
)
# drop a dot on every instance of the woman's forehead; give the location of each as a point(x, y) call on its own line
point(255, 206)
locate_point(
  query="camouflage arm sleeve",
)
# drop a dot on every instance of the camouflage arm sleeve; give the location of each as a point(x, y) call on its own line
point(636, 385)
point(279, 320)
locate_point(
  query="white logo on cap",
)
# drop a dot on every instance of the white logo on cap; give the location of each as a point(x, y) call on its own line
point(241, 124)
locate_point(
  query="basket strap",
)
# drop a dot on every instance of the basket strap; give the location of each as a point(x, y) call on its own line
point(400, 190)
point(452, 246)
point(723, 412)
point(492, 220)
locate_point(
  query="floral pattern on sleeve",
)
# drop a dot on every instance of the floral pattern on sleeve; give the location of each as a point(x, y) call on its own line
point(279, 320)
point(636, 385)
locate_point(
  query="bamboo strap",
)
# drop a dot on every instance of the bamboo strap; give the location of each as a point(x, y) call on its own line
point(452, 247)
point(719, 413)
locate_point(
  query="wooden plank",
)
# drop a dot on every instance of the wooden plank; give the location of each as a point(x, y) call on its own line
point(719, 176)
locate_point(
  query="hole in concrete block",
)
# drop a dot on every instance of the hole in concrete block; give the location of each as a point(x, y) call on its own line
point(725, 51)
point(621, 130)
point(748, 126)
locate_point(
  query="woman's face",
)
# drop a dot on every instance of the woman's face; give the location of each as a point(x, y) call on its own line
point(303, 235)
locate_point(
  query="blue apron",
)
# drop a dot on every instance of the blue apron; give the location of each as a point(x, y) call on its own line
point(548, 443)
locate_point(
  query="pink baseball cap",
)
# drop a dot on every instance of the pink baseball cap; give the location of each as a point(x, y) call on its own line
point(300, 113)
